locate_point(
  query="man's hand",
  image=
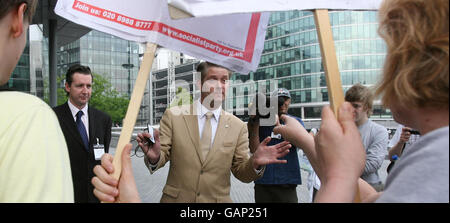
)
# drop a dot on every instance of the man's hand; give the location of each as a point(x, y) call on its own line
point(269, 154)
point(108, 189)
point(152, 152)
point(340, 155)
point(404, 137)
point(294, 132)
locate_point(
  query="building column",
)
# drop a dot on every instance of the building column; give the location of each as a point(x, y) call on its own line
point(52, 48)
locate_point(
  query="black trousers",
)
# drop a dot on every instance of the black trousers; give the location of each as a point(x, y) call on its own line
point(274, 193)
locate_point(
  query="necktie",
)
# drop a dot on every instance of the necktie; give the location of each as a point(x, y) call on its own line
point(205, 141)
point(82, 130)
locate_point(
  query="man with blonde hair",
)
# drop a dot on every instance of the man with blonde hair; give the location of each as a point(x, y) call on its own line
point(374, 136)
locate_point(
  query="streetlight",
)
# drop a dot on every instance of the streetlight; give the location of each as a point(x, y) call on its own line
point(129, 66)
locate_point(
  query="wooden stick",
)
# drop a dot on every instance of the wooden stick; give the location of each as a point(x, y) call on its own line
point(133, 107)
point(176, 13)
point(329, 60)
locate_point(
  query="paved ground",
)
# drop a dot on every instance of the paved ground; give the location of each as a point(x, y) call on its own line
point(150, 186)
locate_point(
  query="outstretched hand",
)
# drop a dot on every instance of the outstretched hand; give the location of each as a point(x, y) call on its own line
point(108, 189)
point(265, 154)
point(294, 132)
point(152, 152)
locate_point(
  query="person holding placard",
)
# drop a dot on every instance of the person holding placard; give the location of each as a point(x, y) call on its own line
point(415, 86)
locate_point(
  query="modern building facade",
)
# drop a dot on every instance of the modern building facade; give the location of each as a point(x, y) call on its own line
point(165, 81)
point(20, 77)
point(113, 58)
point(292, 59)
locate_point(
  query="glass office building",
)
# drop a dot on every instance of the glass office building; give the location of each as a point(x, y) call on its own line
point(291, 59)
point(113, 58)
point(184, 76)
point(20, 77)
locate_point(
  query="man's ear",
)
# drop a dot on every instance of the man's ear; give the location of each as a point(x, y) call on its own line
point(67, 87)
point(17, 20)
point(199, 85)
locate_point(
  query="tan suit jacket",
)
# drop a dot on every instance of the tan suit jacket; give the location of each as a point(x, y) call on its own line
point(191, 178)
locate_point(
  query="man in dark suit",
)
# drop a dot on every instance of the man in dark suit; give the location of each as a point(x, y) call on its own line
point(86, 129)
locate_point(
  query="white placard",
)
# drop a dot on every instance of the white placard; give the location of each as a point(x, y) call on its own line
point(234, 41)
point(199, 8)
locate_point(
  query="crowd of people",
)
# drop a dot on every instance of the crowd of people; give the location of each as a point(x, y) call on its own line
point(69, 160)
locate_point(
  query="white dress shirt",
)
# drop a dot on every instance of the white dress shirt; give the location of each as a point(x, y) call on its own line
point(201, 117)
point(84, 117)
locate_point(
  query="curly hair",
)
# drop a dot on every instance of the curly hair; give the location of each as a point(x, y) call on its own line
point(416, 67)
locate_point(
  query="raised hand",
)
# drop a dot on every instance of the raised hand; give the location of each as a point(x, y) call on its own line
point(340, 155)
point(265, 154)
point(294, 132)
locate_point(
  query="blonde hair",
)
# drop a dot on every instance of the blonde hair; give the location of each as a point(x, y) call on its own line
point(360, 93)
point(416, 67)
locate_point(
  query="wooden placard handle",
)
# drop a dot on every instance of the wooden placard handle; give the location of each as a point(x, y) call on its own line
point(133, 107)
point(330, 63)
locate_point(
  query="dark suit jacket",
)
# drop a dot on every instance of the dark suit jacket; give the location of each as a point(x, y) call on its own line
point(83, 162)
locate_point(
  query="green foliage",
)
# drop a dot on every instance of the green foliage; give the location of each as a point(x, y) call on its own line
point(182, 97)
point(107, 99)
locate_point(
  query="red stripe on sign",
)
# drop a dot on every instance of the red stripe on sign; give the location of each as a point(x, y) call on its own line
point(112, 16)
point(174, 33)
point(251, 37)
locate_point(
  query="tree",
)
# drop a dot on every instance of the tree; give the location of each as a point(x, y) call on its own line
point(182, 97)
point(106, 98)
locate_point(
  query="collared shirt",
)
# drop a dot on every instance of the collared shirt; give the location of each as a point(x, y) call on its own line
point(84, 118)
point(201, 112)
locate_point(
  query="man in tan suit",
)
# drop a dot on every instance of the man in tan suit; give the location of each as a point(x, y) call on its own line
point(203, 143)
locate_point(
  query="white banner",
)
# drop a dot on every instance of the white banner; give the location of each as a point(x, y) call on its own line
point(234, 41)
point(199, 8)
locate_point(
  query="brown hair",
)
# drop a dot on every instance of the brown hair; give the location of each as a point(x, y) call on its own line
point(204, 66)
point(360, 93)
point(416, 67)
point(7, 5)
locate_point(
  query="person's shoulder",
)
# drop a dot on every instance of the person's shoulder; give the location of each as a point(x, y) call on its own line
point(186, 109)
point(22, 106)
point(378, 127)
point(60, 107)
point(20, 100)
point(233, 119)
point(99, 112)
